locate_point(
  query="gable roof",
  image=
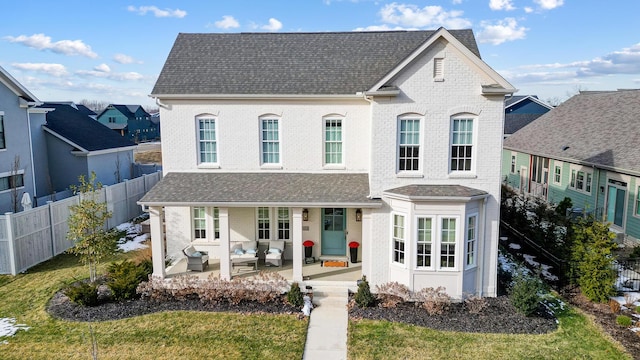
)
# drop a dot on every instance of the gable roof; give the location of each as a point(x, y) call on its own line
point(517, 99)
point(127, 110)
point(592, 128)
point(78, 129)
point(17, 88)
point(515, 122)
point(328, 63)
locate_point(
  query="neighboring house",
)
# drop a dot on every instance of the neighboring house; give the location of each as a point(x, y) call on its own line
point(78, 145)
point(155, 119)
point(520, 110)
point(584, 149)
point(130, 121)
point(390, 139)
point(18, 120)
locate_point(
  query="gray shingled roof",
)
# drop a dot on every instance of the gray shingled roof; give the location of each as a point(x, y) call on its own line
point(286, 189)
point(593, 128)
point(515, 122)
point(288, 63)
point(436, 191)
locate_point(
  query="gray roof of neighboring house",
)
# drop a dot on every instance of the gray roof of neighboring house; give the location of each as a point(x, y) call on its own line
point(77, 127)
point(249, 189)
point(592, 128)
point(416, 191)
point(127, 110)
point(288, 63)
point(515, 122)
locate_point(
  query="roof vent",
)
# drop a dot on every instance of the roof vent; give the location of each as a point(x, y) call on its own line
point(565, 147)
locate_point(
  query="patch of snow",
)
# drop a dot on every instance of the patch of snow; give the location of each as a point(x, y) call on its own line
point(515, 246)
point(635, 329)
point(8, 327)
point(133, 240)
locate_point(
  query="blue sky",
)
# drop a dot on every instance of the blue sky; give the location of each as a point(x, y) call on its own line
point(113, 50)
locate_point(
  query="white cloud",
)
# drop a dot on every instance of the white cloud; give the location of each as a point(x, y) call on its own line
point(549, 4)
point(125, 59)
point(143, 10)
point(57, 70)
point(501, 5)
point(102, 68)
point(274, 25)
point(43, 42)
point(227, 22)
point(502, 31)
point(382, 28)
point(528, 9)
point(455, 2)
point(101, 73)
point(407, 15)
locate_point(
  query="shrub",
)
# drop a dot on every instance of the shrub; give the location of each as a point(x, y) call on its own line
point(391, 294)
point(629, 300)
point(614, 306)
point(124, 278)
point(364, 298)
point(435, 301)
point(294, 296)
point(635, 253)
point(623, 320)
point(525, 295)
point(475, 304)
point(638, 309)
point(82, 293)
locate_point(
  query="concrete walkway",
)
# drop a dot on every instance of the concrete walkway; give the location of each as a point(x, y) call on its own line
point(327, 332)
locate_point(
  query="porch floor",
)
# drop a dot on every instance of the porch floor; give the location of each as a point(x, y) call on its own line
point(310, 272)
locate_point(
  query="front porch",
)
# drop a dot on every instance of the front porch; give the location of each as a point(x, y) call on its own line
point(313, 272)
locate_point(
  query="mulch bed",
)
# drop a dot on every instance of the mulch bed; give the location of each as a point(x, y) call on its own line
point(498, 317)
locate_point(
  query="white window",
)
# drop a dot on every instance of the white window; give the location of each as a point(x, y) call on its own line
point(438, 69)
point(270, 137)
point(448, 243)
point(472, 240)
point(581, 179)
point(284, 224)
point(216, 223)
point(3, 145)
point(207, 140)
point(263, 224)
point(637, 202)
point(398, 239)
point(461, 144)
point(513, 163)
point(424, 250)
point(11, 180)
point(409, 144)
point(557, 174)
point(199, 223)
point(333, 141)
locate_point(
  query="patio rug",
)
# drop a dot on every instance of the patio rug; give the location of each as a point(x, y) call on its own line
point(334, 263)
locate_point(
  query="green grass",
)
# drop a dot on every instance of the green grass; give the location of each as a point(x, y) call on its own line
point(576, 338)
point(167, 335)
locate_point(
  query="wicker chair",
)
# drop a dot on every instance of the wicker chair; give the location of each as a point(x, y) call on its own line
point(196, 260)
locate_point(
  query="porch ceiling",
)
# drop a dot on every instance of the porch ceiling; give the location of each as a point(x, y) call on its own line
point(261, 189)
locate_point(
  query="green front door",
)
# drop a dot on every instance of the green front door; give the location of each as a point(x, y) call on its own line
point(333, 237)
point(616, 195)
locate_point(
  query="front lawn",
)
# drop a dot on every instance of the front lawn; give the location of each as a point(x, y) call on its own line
point(167, 335)
point(576, 338)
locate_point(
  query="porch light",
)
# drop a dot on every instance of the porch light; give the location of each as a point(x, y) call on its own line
point(358, 215)
point(305, 215)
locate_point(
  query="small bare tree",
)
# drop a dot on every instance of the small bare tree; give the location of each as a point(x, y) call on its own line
point(15, 182)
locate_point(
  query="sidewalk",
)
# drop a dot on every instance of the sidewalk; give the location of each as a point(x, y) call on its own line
point(327, 332)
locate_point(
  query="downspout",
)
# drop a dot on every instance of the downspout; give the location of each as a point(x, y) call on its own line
point(369, 99)
point(597, 191)
point(33, 172)
point(161, 104)
point(482, 244)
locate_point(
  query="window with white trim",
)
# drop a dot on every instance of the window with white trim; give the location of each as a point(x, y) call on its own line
point(472, 240)
point(461, 144)
point(513, 163)
point(199, 223)
point(264, 224)
point(557, 174)
point(398, 239)
point(637, 212)
point(10, 181)
point(216, 223)
point(448, 243)
point(581, 179)
point(284, 224)
point(3, 145)
point(424, 250)
point(333, 141)
point(409, 144)
point(270, 137)
point(207, 140)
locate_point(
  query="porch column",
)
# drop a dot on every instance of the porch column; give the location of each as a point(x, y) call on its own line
point(367, 244)
point(297, 244)
point(157, 241)
point(225, 260)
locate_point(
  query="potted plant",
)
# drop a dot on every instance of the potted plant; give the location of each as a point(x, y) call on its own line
point(353, 251)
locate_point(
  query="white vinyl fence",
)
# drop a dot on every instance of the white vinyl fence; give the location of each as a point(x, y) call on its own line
point(30, 237)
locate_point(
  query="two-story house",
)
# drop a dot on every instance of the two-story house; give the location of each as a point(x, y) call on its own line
point(520, 110)
point(583, 149)
point(131, 121)
point(389, 139)
point(18, 121)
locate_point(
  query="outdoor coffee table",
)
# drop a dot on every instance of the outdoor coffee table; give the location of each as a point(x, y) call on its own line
point(245, 261)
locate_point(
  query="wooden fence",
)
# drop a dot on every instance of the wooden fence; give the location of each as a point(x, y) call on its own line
point(30, 237)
